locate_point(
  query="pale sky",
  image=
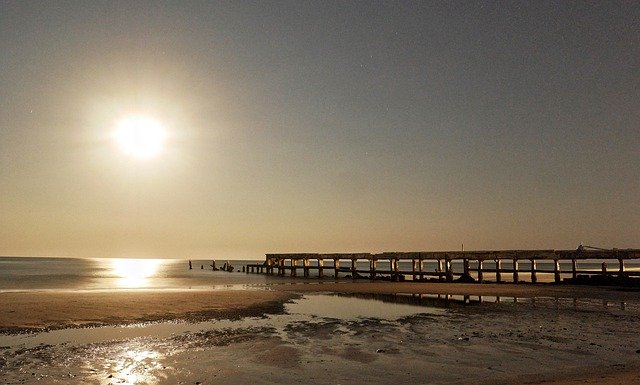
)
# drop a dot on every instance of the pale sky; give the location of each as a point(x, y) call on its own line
point(325, 126)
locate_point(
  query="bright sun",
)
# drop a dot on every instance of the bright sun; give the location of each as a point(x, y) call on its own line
point(140, 136)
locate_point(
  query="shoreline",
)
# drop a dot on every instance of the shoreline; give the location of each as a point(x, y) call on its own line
point(22, 310)
point(498, 326)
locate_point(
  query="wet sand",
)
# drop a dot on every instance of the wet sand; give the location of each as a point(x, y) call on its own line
point(542, 342)
point(605, 375)
point(23, 311)
point(37, 310)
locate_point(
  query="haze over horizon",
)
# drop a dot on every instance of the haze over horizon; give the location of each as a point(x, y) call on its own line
point(318, 127)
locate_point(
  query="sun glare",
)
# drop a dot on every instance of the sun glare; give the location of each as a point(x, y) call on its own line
point(140, 136)
point(134, 273)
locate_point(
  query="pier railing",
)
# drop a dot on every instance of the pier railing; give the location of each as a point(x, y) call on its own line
point(499, 266)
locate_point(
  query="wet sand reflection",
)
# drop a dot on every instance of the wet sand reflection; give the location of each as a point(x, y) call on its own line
point(316, 329)
point(130, 364)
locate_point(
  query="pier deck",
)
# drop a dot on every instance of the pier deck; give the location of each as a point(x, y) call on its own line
point(499, 266)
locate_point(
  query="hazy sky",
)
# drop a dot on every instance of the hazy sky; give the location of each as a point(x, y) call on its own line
point(319, 126)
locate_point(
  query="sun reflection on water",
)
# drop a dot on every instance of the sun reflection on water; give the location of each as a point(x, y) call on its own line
point(134, 366)
point(134, 273)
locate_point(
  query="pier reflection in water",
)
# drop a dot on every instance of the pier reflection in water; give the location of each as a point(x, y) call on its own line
point(449, 301)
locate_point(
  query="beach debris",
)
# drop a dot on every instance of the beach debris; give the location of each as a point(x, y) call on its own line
point(380, 351)
point(227, 267)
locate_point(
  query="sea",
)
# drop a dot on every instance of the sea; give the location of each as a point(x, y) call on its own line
point(53, 273)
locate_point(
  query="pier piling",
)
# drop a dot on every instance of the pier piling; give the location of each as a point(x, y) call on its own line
point(546, 265)
point(534, 277)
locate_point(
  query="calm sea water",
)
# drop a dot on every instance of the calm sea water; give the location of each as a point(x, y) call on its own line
point(38, 273)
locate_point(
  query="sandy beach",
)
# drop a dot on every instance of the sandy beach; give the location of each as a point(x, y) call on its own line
point(569, 335)
point(23, 311)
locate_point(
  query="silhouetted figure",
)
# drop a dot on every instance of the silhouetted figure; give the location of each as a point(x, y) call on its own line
point(190, 267)
point(213, 266)
point(201, 267)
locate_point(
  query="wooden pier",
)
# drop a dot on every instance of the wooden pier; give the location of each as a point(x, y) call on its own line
point(466, 266)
